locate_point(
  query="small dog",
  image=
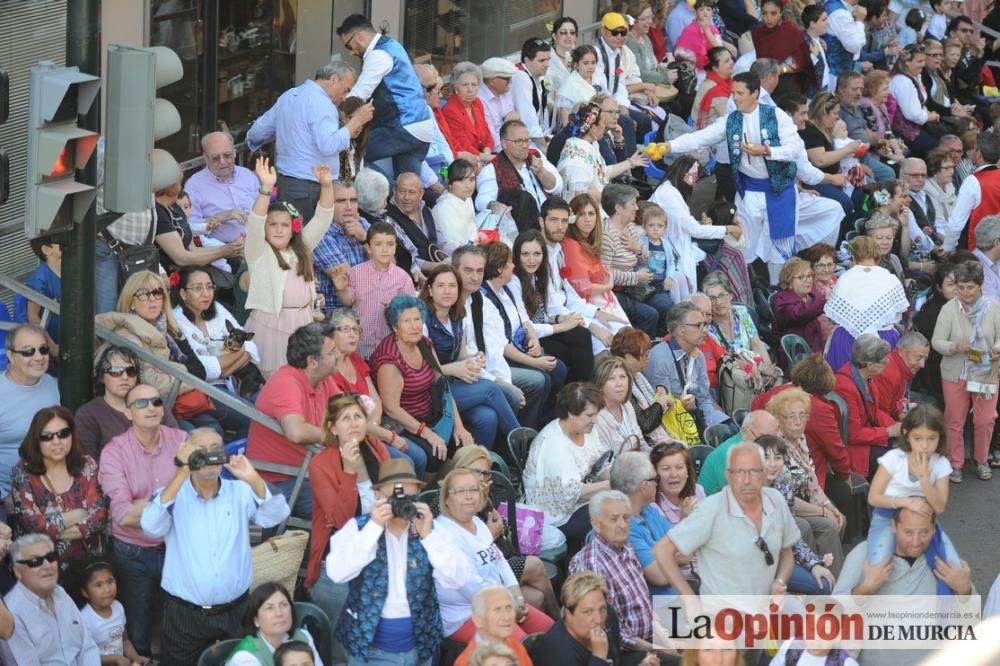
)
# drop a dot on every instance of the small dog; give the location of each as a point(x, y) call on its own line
point(249, 379)
point(237, 337)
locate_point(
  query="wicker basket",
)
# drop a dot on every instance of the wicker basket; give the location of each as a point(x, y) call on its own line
point(279, 558)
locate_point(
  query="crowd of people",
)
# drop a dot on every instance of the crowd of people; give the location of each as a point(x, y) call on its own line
point(422, 268)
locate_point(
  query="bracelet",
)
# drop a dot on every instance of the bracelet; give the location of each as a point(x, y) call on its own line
point(822, 511)
point(392, 438)
point(779, 580)
point(264, 191)
point(420, 429)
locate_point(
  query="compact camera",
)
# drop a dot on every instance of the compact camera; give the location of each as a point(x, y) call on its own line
point(402, 504)
point(200, 459)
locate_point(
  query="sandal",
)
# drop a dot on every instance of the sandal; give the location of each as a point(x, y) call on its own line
point(956, 476)
point(983, 472)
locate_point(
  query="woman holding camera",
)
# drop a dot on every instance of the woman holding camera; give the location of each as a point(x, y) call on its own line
point(461, 499)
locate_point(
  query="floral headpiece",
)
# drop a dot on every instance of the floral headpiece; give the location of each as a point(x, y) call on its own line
point(882, 197)
point(296, 216)
point(691, 177)
point(174, 278)
point(585, 119)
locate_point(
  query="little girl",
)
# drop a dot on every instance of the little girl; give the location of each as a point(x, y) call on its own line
point(919, 468)
point(849, 166)
point(104, 616)
point(729, 258)
point(278, 253)
point(294, 653)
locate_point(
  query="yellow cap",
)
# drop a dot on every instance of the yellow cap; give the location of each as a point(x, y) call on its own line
point(613, 21)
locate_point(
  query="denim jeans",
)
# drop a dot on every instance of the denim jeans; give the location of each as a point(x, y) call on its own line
point(802, 582)
point(105, 278)
point(881, 170)
point(331, 597)
point(140, 570)
point(642, 315)
point(414, 454)
point(535, 385)
point(407, 151)
point(553, 383)
point(660, 301)
point(484, 410)
point(303, 503)
point(882, 542)
point(378, 657)
point(303, 194)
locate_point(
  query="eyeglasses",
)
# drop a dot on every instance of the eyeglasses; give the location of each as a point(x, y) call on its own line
point(146, 294)
point(621, 32)
point(35, 562)
point(668, 447)
point(348, 329)
point(753, 473)
point(62, 433)
point(347, 44)
point(796, 418)
point(119, 370)
point(28, 352)
point(201, 288)
point(762, 546)
point(653, 479)
point(227, 157)
point(465, 492)
point(702, 325)
point(824, 268)
point(804, 276)
point(519, 142)
point(143, 403)
point(720, 297)
point(915, 175)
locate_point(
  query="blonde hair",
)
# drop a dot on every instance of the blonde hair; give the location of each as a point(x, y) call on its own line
point(148, 280)
point(466, 455)
point(580, 585)
point(788, 271)
point(786, 397)
point(447, 484)
point(488, 650)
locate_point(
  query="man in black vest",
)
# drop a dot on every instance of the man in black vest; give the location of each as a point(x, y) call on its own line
point(519, 177)
point(414, 225)
point(922, 213)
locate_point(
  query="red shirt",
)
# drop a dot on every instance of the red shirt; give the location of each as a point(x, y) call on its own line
point(470, 134)
point(361, 373)
point(713, 352)
point(865, 429)
point(288, 391)
point(889, 387)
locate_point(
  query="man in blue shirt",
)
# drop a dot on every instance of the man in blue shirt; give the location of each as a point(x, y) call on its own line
point(204, 520)
point(343, 244)
point(305, 124)
point(402, 128)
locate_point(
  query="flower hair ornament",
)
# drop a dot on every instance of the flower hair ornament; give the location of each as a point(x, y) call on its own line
point(691, 177)
point(295, 215)
point(585, 119)
point(174, 279)
point(882, 197)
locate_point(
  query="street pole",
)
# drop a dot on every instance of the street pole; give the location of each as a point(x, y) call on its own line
point(76, 327)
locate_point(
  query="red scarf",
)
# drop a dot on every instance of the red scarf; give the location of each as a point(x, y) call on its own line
point(722, 88)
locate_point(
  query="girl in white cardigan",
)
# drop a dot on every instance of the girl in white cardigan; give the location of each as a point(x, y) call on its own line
point(278, 252)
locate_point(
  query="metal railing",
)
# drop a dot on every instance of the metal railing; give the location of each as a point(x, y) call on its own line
point(178, 378)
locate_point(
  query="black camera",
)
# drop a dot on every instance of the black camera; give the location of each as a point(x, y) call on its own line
point(200, 459)
point(402, 504)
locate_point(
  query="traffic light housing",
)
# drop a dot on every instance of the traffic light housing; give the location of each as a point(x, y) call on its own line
point(136, 119)
point(58, 148)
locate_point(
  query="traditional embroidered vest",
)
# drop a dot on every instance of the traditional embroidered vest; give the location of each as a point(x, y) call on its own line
point(399, 97)
point(838, 58)
point(835, 658)
point(781, 174)
point(256, 646)
point(363, 610)
point(512, 190)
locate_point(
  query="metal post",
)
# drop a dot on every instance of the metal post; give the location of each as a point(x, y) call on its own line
point(76, 329)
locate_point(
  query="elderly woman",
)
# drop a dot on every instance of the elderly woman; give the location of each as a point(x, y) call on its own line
point(557, 477)
point(782, 40)
point(912, 118)
point(940, 184)
point(868, 426)
point(268, 622)
point(967, 335)
point(54, 487)
point(103, 418)
point(632, 346)
point(677, 491)
point(480, 401)
point(578, 87)
point(791, 408)
point(454, 212)
point(623, 252)
point(798, 304)
point(809, 575)
point(465, 114)
point(373, 193)
point(733, 327)
point(928, 379)
point(462, 497)
point(341, 483)
point(530, 570)
point(617, 426)
point(713, 93)
point(581, 164)
point(822, 258)
point(878, 109)
point(866, 298)
point(145, 317)
point(413, 389)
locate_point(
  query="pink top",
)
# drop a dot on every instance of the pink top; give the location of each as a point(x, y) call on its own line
point(371, 290)
point(129, 472)
point(693, 40)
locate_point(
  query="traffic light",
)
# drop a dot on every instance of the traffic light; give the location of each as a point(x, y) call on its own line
point(136, 119)
point(58, 148)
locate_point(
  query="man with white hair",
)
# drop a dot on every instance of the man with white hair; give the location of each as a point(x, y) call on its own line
point(610, 555)
point(891, 387)
point(987, 251)
point(494, 616)
point(742, 536)
point(222, 193)
point(755, 424)
point(494, 93)
point(46, 625)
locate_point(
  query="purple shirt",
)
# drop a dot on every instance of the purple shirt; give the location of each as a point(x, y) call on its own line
point(211, 196)
point(129, 472)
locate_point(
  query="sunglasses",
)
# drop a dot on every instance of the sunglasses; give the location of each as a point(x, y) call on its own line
point(146, 294)
point(621, 32)
point(30, 351)
point(35, 562)
point(119, 370)
point(762, 546)
point(143, 403)
point(63, 433)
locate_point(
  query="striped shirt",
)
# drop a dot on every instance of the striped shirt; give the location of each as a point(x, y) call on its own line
point(415, 399)
point(370, 290)
point(621, 261)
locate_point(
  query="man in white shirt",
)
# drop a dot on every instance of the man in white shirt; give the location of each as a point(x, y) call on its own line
point(970, 202)
point(815, 23)
point(846, 27)
point(617, 74)
point(498, 102)
point(531, 92)
point(988, 253)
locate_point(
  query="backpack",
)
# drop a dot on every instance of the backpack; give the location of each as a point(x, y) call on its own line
point(737, 387)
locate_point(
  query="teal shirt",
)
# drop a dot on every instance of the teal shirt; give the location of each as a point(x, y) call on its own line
point(713, 471)
point(644, 533)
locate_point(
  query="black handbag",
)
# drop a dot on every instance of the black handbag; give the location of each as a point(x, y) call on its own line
point(136, 258)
